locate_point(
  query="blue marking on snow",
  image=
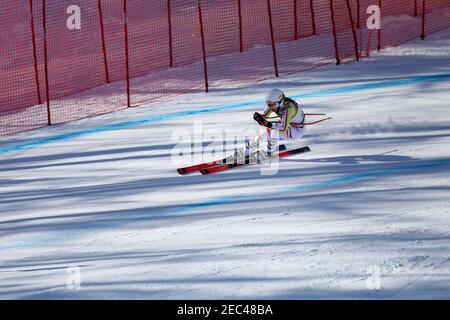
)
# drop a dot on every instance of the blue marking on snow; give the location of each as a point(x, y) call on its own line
point(83, 228)
point(175, 115)
point(376, 85)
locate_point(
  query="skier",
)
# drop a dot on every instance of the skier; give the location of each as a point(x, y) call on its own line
point(289, 127)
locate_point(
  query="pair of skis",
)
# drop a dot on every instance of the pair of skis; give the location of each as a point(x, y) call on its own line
point(222, 165)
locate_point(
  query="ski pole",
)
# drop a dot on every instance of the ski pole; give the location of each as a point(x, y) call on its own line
point(306, 114)
point(310, 123)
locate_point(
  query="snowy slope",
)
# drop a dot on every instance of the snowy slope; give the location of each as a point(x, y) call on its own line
point(372, 198)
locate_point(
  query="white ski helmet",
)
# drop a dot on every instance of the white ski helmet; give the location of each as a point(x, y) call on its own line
point(275, 96)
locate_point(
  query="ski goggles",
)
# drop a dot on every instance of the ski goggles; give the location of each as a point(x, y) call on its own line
point(273, 104)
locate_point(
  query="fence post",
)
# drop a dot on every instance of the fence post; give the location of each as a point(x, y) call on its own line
point(355, 41)
point(47, 89)
point(241, 40)
point(202, 33)
point(102, 29)
point(272, 37)
point(33, 39)
point(358, 9)
point(422, 36)
point(295, 21)
point(333, 22)
point(313, 16)
point(127, 58)
point(169, 21)
point(379, 30)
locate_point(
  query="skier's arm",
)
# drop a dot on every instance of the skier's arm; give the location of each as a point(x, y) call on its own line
point(284, 123)
point(266, 112)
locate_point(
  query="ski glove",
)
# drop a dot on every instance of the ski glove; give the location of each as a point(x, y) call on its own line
point(261, 121)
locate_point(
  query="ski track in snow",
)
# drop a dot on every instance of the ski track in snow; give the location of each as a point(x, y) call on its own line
point(372, 193)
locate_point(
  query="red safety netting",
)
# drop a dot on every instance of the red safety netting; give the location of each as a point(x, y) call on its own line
point(77, 71)
point(244, 27)
point(304, 39)
point(399, 22)
point(345, 15)
point(165, 49)
point(21, 86)
point(437, 16)
point(51, 74)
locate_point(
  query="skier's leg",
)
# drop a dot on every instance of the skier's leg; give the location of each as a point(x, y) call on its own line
point(254, 144)
point(271, 138)
point(274, 137)
point(251, 145)
point(295, 134)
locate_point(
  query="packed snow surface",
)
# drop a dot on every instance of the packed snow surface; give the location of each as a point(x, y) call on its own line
point(95, 208)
